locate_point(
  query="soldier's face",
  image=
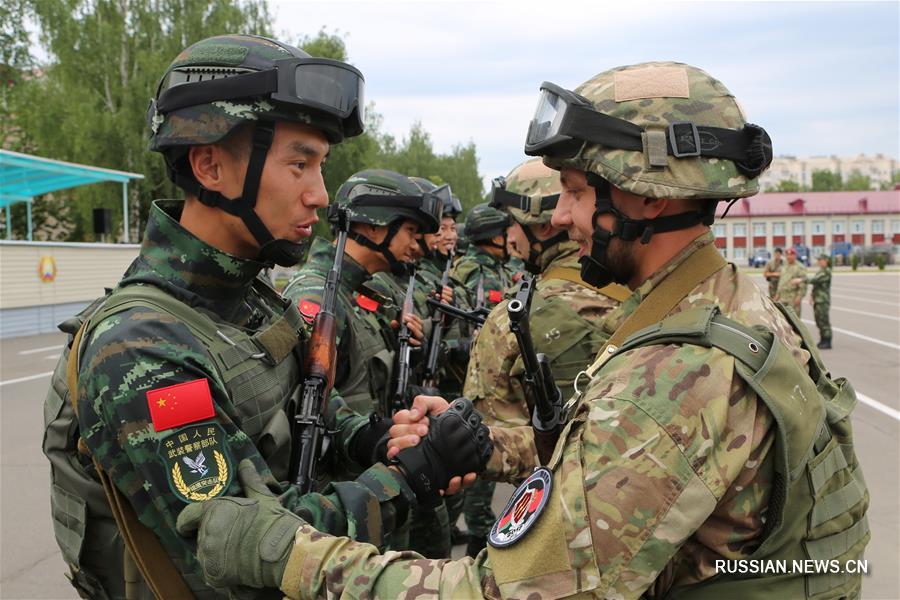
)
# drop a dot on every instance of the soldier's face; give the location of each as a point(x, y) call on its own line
point(404, 245)
point(575, 210)
point(791, 258)
point(434, 240)
point(291, 187)
point(516, 241)
point(448, 234)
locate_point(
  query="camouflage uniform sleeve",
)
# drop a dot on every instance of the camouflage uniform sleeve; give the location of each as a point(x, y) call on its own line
point(322, 566)
point(664, 458)
point(514, 456)
point(497, 395)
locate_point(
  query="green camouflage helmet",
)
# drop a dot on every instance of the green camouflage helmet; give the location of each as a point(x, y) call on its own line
point(382, 182)
point(225, 56)
point(656, 96)
point(484, 222)
point(531, 193)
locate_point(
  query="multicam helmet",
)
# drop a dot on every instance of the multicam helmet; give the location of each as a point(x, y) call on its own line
point(529, 193)
point(386, 199)
point(659, 130)
point(484, 223)
point(222, 82)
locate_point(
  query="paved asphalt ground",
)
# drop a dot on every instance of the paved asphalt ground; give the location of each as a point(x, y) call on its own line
point(866, 320)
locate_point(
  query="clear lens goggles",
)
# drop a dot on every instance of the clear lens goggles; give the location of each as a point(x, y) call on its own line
point(550, 131)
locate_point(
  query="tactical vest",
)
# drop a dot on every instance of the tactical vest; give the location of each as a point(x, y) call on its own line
point(818, 499)
point(261, 373)
point(367, 388)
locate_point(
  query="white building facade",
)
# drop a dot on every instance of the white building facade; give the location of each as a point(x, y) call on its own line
point(878, 168)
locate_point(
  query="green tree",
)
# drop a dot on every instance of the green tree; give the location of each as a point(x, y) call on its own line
point(894, 181)
point(787, 185)
point(89, 103)
point(826, 181)
point(856, 181)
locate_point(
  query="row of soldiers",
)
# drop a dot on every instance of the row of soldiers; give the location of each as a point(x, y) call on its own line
point(788, 282)
point(699, 424)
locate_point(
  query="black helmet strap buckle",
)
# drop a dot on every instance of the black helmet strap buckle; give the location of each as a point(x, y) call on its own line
point(397, 266)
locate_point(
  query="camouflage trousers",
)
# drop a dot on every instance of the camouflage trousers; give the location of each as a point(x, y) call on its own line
point(773, 287)
point(454, 507)
point(429, 532)
point(820, 313)
point(480, 516)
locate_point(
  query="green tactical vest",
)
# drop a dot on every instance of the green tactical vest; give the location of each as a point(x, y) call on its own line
point(262, 375)
point(368, 385)
point(817, 507)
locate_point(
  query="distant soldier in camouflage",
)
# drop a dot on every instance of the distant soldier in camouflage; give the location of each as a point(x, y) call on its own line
point(566, 317)
point(773, 271)
point(482, 268)
point(792, 283)
point(821, 300)
point(193, 363)
point(672, 463)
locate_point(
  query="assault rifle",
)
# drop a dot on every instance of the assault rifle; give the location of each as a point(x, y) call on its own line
point(475, 316)
point(398, 402)
point(429, 377)
point(309, 426)
point(546, 416)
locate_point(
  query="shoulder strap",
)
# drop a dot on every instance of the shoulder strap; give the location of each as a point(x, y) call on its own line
point(155, 565)
point(662, 299)
point(613, 290)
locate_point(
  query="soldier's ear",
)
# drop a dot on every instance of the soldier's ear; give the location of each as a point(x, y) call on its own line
point(216, 170)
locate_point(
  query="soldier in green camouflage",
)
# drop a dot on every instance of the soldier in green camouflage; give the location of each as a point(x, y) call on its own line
point(821, 300)
point(772, 272)
point(672, 464)
point(193, 363)
point(565, 320)
point(482, 268)
point(792, 283)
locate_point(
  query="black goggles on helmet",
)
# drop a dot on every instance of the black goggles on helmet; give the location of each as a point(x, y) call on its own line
point(452, 206)
point(502, 199)
point(564, 122)
point(428, 207)
point(322, 84)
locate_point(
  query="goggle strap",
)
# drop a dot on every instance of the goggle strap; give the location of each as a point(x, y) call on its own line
point(504, 198)
point(235, 87)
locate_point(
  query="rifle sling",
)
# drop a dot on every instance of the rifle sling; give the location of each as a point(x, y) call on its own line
point(615, 291)
point(698, 267)
point(141, 544)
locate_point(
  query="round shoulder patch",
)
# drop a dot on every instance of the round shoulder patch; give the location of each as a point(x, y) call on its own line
point(197, 461)
point(523, 509)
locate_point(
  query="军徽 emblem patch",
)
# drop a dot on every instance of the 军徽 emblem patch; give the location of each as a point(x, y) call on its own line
point(197, 461)
point(523, 509)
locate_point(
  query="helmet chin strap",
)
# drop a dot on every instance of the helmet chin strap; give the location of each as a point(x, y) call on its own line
point(397, 267)
point(595, 268)
point(543, 245)
point(282, 252)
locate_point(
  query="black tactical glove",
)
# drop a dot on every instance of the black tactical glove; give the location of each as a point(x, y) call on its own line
point(457, 443)
point(369, 444)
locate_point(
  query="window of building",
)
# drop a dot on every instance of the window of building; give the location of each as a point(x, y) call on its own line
point(739, 229)
point(895, 226)
point(798, 228)
point(740, 253)
point(778, 228)
point(858, 226)
point(759, 229)
point(878, 226)
point(818, 226)
point(719, 230)
point(816, 251)
point(837, 226)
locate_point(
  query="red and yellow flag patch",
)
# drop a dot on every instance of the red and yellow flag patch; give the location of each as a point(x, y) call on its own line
point(180, 404)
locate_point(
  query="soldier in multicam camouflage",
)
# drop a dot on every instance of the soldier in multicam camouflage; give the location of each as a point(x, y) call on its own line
point(821, 300)
point(193, 363)
point(565, 319)
point(772, 272)
point(792, 283)
point(671, 462)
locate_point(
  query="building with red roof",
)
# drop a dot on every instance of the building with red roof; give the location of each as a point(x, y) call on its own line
point(815, 219)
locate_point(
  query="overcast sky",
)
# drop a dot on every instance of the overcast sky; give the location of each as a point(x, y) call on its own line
point(821, 77)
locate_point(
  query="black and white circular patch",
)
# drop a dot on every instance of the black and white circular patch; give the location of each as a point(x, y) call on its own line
point(523, 509)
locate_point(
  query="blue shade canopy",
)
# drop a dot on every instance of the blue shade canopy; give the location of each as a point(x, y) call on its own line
point(22, 176)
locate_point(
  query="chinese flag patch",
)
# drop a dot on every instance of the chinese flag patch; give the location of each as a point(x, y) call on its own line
point(367, 303)
point(180, 404)
point(495, 296)
point(308, 310)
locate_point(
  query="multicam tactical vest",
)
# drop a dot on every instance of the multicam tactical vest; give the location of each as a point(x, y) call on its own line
point(261, 372)
point(819, 497)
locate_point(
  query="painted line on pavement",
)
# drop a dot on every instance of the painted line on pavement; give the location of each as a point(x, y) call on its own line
point(854, 288)
point(28, 378)
point(858, 335)
point(895, 414)
point(858, 299)
point(36, 350)
point(862, 312)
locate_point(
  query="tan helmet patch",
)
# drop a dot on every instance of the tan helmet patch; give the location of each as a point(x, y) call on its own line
point(651, 82)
